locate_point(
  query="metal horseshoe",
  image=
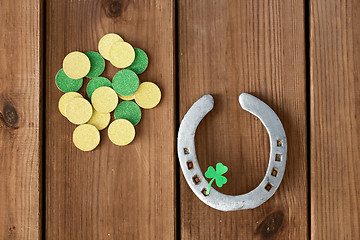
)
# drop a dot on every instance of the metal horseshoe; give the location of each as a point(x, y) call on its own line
point(191, 169)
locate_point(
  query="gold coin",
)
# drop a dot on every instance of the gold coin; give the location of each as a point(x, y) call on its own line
point(86, 137)
point(78, 111)
point(122, 54)
point(121, 132)
point(127, 98)
point(148, 95)
point(76, 65)
point(99, 120)
point(64, 100)
point(105, 44)
point(104, 99)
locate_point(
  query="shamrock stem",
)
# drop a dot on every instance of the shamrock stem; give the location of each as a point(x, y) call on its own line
point(209, 185)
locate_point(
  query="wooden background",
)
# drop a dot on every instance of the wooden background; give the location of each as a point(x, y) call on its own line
point(300, 57)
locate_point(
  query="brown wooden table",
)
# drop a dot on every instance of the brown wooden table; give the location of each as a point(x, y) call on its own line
point(300, 57)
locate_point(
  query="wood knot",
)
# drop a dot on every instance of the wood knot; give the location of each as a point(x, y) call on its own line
point(114, 8)
point(12, 228)
point(9, 116)
point(271, 224)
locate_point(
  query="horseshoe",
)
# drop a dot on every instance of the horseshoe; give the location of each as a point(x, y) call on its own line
point(191, 169)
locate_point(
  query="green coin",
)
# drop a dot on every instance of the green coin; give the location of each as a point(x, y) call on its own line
point(95, 83)
point(128, 110)
point(97, 64)
point(125, 82)
point(140, 62)
point(66, 84)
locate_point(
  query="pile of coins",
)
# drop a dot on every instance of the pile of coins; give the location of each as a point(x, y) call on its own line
point(105, 96)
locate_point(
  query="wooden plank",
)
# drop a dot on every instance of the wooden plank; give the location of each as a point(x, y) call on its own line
point(20, 119)
point(229, 47)
point(335, 125)
point(112, 192)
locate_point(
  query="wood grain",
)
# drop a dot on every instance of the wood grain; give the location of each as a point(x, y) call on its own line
point(335, 125)
point(20, 119)
point(112, 192)
point(229, 47)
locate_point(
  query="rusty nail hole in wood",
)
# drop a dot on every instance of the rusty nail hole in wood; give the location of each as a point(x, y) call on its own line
point(204, 192)
point(279, 143)
point(268, 187)
point(186, 151)
point(274, 172)
point(278, 157)
point(196, 179)
point(190, 164)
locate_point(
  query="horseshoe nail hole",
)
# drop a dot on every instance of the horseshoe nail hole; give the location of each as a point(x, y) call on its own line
point(190, 164)
point(186, 151)
point(274, 172)
point(204, 192)
point(279, 143)
point(278, 157)
point(196, 179)
point(268, 187)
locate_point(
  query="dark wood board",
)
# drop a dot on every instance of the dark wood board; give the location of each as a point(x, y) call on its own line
point(230, 47)
point(21, 79)
point(112, 192)
point(335, 124)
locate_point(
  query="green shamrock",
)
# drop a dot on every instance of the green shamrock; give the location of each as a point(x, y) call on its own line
point(216, 175)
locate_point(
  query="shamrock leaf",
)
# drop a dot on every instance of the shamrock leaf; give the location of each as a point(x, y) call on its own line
point(216, 176)
point(210, 173)
point(221, 168)
point(220, 181)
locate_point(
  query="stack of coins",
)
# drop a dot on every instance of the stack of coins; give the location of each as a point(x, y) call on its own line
point(124, 95)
